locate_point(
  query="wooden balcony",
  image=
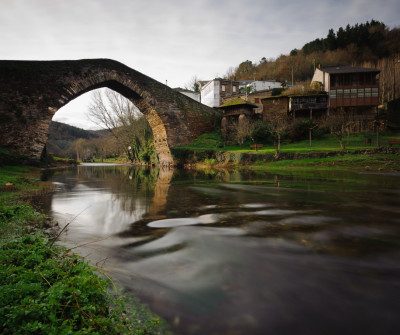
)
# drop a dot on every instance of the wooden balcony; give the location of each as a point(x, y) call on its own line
point(348, 96)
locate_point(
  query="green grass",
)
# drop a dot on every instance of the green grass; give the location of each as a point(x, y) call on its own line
point(371, 162)
point(45, 289)
point(214, 141)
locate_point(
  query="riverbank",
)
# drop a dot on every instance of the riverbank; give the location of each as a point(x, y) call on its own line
point(46, 289)
point(365, 161)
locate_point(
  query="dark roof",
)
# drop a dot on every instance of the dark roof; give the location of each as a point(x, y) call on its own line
point(237, 102)
point(305, 95)
point(347, 69)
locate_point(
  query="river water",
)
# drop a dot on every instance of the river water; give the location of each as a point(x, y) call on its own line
point(219, 252)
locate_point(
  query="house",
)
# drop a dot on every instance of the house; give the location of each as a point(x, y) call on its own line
point(348, 86)
point(214, 91)
point(191, 94)
point(254, 98)
point(260, 85)
point(236, 111)
point(311, 105)
point(355, 90)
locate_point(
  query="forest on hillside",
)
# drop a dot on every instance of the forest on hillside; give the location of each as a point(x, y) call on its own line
point(371, 44)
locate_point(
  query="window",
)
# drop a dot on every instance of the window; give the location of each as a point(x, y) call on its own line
point(223, 88)
point(346, 93)
point(368, 92)
point(257, 100)
point(340, 94)
point(234, 89)
point(375, 92)
point(360, 93)
point(332, 94)
point(354, 93)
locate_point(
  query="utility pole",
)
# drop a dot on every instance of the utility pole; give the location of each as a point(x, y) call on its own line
point(292, 75)
point(394, 77)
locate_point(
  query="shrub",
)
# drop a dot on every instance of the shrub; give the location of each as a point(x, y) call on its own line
point(262, 132)
point(300, 130)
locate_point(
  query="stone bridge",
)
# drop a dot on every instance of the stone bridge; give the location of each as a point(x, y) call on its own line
point(31, 92)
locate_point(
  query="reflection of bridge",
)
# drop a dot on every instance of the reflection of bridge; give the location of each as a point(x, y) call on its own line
point(31, 92)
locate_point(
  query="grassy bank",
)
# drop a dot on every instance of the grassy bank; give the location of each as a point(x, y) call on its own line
point(325, 153)
point(45, 289)
point(351, 162)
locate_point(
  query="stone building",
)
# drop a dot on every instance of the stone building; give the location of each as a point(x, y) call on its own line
point(236, 111)
point(254, 98)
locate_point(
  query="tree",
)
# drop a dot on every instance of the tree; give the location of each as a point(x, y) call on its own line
point(121, 117)
point(193, 84)
point(338, 122)
point(278, 122)
point(242, 129)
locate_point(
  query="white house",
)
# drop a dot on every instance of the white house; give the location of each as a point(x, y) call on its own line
point(261, 85)
point(191, 94)
point(213, 92)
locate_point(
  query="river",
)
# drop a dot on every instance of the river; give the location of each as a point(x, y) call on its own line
point(220, 252)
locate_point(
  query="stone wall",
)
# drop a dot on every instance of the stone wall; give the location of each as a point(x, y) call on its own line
point(31, 92)
point(274, 105)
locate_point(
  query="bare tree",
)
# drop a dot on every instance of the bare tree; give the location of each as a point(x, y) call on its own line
point(193, 84)
point(123, 119)
point(279, 122)
point(339, 122)
point(242, 129)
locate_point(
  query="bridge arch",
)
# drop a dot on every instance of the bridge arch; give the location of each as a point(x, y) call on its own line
point(33, 91)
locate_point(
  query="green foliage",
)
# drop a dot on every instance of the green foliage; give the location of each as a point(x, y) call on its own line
point(46, 291)
point(261, 132)
point(371, 35)
point(300, 130)
point(277, 91)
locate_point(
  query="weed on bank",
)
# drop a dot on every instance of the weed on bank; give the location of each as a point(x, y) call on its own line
point(45, 289)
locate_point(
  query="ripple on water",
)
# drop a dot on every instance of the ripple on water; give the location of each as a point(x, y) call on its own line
point(179, 222)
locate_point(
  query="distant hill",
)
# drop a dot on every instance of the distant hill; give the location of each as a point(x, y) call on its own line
point(63, 135)
point(370, 44)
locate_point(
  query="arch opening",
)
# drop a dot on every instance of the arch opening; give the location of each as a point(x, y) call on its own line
point(122, 130)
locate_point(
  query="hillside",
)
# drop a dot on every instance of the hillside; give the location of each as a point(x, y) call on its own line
point(371, 44)
point(63, 135)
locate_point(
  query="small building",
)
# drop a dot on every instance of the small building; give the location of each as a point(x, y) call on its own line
point(214, 91)
point(236, 110)
point(191, 94)
point(254, 98)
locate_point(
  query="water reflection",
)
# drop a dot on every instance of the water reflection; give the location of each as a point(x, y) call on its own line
point(220, 252)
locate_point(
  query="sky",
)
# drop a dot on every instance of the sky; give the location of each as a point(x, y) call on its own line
point(173, 40)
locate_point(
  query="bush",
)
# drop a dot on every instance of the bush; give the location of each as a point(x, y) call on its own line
point(300, 130)
point(262, 132)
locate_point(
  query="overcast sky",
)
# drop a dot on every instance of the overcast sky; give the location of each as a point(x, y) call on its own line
point(173, 40)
